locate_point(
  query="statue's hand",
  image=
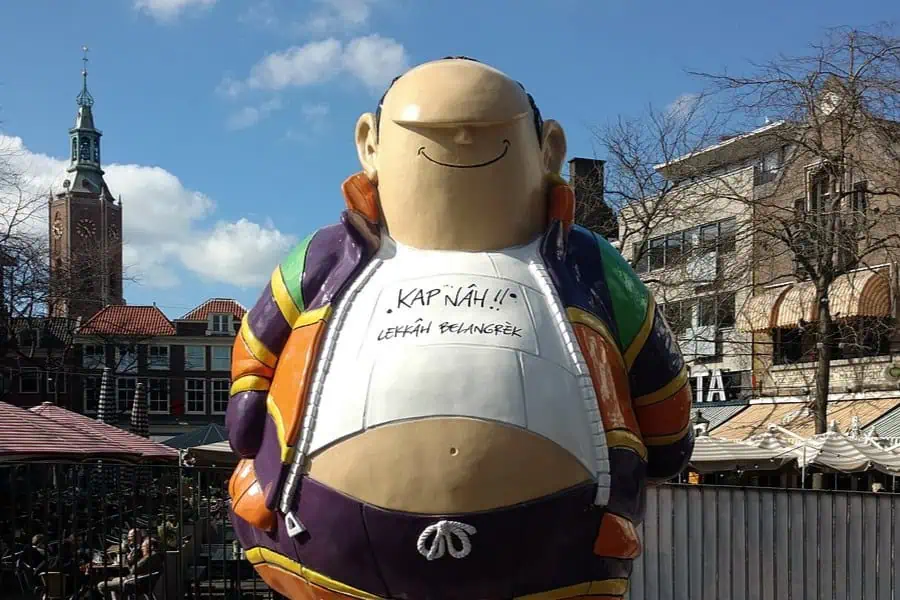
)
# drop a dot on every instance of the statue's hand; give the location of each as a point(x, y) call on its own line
point(245, 421)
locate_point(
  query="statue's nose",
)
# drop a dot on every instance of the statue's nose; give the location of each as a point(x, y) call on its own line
point(463, 135)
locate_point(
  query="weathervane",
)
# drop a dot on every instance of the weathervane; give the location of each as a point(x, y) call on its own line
point(84, 98)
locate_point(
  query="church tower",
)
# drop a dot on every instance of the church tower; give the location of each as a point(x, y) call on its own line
point(85, 225)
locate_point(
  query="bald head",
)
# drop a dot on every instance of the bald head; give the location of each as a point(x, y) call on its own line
point(460, 156)
point(457, 91)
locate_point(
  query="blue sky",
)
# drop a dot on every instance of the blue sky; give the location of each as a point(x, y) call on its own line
point(229, 124)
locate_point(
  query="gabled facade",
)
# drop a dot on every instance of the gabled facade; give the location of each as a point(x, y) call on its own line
point(185, 364)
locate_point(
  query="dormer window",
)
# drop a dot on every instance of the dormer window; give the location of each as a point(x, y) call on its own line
point(220, 324)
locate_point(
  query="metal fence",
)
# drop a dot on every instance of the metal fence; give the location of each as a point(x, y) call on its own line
point(716, 543)
point(64, 532)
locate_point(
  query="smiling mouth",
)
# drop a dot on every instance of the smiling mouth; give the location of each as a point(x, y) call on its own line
point(475, 166)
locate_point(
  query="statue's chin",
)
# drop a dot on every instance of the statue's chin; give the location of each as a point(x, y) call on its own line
point(447, 465)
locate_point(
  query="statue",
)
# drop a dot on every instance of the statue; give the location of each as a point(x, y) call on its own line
point(455, 392)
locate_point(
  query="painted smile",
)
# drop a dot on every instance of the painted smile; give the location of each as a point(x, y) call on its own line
point(475, 166)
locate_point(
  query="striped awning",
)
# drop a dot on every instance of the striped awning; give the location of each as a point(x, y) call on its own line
point(865, 293)
point(760, 311)
point(860, 294)
point(798, 303)
point(715, 454)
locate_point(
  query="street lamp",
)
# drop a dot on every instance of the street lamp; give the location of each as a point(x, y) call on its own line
point(701, 424)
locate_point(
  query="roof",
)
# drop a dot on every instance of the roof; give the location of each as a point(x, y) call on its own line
point(210, 434)
point(128, 320)
point(27, 434)
point(60, 329)
point(148, 450)
point(887, 425)
point(737, 147)
point(795, 417)
point(716, 415)
point(215, 306)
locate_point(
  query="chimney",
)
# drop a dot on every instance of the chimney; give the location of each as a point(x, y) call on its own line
point(591, 211)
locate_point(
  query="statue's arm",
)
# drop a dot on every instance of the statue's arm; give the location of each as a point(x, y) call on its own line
point(657, 375)
point(661, 395)
point(257, 347)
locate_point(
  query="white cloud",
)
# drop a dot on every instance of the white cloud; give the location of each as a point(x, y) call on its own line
point(169, 10)
point(230, 87)
point(314, 112)
point(251, 115)
point(297, 66)
point(373, 60)
point(340, 15)
point(166, 225)
point(327, 17)
point(245, 264)
point(682, 106)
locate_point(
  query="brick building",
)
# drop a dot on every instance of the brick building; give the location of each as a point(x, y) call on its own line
point(184, 363)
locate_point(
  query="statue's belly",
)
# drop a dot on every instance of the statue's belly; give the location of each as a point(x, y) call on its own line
point(454, 429)
point(452, 391)
point(447, 465)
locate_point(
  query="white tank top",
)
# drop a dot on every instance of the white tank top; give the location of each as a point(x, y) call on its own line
point(425, 333)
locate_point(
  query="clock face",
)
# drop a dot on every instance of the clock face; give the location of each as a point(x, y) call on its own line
point(86, 228)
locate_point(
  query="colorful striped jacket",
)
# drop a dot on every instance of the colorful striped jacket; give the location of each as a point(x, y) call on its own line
point(644, 404)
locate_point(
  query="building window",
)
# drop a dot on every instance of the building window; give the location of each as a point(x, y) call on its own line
point(195, 358)
point(221, 324)
point(158, 396)
point(56, 383)
point(768, 166)
point(125, 389)
point(93, 356)
point(672, 250)
point(716, 311)
point(859, 201)
point(158, 357)
point(221, 358)
point(195, 396)
point(126, 359)
point(90, 389)
point(220, 389)
point(29, 381)
point(857, 337)
point(679, 315)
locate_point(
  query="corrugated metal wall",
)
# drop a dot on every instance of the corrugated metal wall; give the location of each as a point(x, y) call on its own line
point(709, 543)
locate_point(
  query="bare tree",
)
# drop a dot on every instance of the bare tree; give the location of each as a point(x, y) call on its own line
point(665, 188)
point(804, 155)
point(32, 338)
point(829, 207)
point(635, 148)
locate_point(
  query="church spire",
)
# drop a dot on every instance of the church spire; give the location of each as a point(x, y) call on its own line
point(85, 141)
point(84, 98)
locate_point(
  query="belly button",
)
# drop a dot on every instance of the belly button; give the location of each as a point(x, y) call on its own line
point(453, 451)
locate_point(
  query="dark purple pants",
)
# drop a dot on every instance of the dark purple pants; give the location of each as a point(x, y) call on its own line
point(533, 547)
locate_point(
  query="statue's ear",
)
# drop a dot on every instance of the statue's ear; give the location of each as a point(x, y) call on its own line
point(367, 145)
point(554, 146)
